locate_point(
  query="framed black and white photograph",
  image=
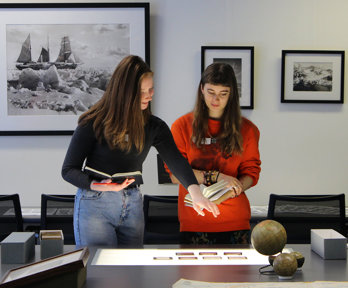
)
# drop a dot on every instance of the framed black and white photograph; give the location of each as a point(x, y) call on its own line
point(58, 58)
point(241, 58)
point(45, 270)
point(312, 76)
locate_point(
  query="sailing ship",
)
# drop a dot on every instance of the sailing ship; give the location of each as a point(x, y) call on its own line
point(65, 60)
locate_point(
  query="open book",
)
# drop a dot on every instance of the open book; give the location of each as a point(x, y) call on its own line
point(117, 177)
point(216, 193)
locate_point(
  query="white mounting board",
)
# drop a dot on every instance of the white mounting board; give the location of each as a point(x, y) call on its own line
point(148, 257)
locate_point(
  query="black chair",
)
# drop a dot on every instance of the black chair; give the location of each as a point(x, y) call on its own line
point(57, 213)
point(161, 220)
point(11, 219)
point(301, 213)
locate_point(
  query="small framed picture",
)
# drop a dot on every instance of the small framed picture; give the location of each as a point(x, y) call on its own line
point(312, 76)
point(241, 58)
point(45, 269)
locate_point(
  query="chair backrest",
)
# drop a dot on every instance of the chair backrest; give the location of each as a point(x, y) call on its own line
point(11, 219)
point(161, 220)
point(301, 213)
point(57, 213)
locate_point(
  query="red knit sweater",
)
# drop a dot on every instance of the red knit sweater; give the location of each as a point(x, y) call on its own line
point(234, 213)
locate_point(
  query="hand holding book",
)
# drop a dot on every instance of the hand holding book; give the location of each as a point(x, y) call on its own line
point(236, 183)
point(199, 202)
point(216, 193)
point(117, 178)
point(108, 185)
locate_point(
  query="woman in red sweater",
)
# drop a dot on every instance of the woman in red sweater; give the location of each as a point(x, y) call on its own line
point(219, 144)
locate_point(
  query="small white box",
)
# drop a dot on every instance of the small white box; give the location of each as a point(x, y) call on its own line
point(329, 244)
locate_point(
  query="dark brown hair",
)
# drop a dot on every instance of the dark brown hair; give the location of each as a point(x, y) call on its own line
point(118, 115)
point(229, 138)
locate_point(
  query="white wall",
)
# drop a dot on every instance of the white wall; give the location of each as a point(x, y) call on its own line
point(303, 146)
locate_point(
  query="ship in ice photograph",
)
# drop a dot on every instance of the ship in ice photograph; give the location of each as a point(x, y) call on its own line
point(61, 69)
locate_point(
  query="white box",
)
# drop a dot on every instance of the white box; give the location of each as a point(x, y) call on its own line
point(329, 244)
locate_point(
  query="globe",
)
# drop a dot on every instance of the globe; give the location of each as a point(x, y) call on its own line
point(299, 257)
point(268, 237)
point(285, 265)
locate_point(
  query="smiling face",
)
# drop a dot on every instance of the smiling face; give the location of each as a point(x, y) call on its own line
point(216, 98)
point(146, 91)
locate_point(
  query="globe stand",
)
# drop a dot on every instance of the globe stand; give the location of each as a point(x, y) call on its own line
point(267, 272)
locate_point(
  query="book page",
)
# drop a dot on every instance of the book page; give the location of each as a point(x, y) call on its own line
point(212, 192)
point(213, 189)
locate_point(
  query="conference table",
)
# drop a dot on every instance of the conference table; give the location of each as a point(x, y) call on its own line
point(152, 276)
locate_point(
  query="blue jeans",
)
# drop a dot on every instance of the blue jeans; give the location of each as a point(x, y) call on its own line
point(109, 218)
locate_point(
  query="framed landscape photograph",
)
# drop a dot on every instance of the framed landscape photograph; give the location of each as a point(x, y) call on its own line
point(241, 58)
point(58, 58)
point(312, 76)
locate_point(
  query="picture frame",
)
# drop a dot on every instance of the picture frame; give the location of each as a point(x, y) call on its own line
point(241, 58)
point(45, 269)
point(46, 94)
point(312, 76)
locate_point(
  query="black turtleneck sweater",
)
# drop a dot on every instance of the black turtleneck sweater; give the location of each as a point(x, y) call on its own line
point(85, 150)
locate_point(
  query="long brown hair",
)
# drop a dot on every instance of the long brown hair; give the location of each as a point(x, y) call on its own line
point(117, 117)
point(229, 137)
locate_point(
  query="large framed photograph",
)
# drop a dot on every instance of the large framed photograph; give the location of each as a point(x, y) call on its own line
point(45, 270)
point(241, 58)
point(57, 59)
point(312, 76)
